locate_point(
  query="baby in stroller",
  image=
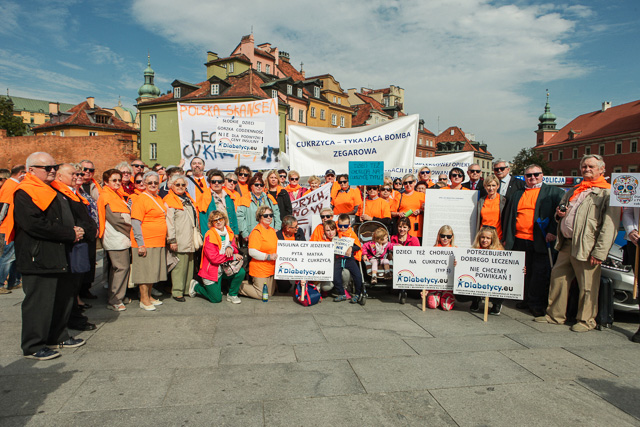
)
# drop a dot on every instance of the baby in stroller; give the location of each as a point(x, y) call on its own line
point(377, 252)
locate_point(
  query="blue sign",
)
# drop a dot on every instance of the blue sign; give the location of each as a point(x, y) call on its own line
point(366, 173)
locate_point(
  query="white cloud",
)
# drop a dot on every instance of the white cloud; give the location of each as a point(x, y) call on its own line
point(8, 17)
point(104, 55)
point(69, 65)
point(465, 62)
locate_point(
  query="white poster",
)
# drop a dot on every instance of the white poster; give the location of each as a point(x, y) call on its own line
point(304, 260)
point(488, 273)
point(422, 268)
point(306, 207)
point(455, 208)
point(624, 190)
point(197, 124)
point(437, 165)
point(342, 245)
point(313, 150)
point(239, 136)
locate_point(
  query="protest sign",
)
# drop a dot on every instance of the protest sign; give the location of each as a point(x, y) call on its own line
point(309, 206)
point(422, 268)
point(624, 190)
point(314, 150)
point(455, 208)
point(304, 260)
point(366, 173)
point(342, 244)
point(437, 165)
point(489, 273)
point(198, 124)
point(239, 136)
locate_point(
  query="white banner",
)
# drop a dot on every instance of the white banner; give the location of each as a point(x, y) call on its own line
point(455, 208)
point(304, 260)
point(422, 268)
point(306, 207)
point(624, 190)
point(313, 150)
point(437, 165)
point(239, 136)
point(197, 124)
point(488, 273)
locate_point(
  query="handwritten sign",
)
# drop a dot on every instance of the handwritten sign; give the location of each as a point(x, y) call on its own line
point(342, 244)
point(422, 268)
point(239, 136)
point(489, 273)
point(304, 260)
point(366, 173)
point(307, 207)
point(624, 190)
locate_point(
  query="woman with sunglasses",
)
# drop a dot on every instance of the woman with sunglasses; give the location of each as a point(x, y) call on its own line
point(230, 182)
point(294, 188)
point(263, 243)
point(249, 204)
point(425, 175)
point(182, 222)
point(139, 185)
point(456, 176)
point(410, 205)
point(347, 200)
point(397, 185)
point(376, 208)
point(244, 175)
point(115, 232)
point(279, 193)
point(326, 214)
point(491, 207)
point(442, 299)
point(90, 193)
point(149, 228)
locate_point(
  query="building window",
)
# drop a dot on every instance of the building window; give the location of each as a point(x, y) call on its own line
point(386, 102)
point(215, 89)
point(632, 169)
point(152, 122)
point(575, 153)
point(93, 133)
point(560, 173)
point(289, 90)
point(274, 93)
point(334, 99)
point(176, 92)
point(231, 67)
point(602, 150)
point(102, 119)
point(617, 169)
point(334, 119)
point(587, 150)
point(259, 66)
point(290, 113)
point(322, 114)
point(53, 133)
point(299, 93)
point(61, 133)
point(618, 147)
point(560, 154)
point(153, 151)
point(633, 146)
point(550, 157)
point(341, 121)
point(301, 116)
point(267, 69)
point(313, 112)
point(574, 172)
point(316, 92)
point(339, 101)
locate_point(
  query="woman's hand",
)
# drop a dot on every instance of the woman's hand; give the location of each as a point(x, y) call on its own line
point(238, 257)
point(272, 257)
point(142, 251)
point(173, 247)
point(228, 252)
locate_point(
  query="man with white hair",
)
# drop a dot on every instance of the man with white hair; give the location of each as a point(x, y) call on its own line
point(44, 233)
point(508, 184)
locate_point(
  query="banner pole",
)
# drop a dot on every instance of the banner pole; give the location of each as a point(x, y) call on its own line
point(364, 201)
point(486, 308)
point(635, 276)
point(424, 300)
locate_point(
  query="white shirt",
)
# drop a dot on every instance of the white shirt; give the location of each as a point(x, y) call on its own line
point(504, 183)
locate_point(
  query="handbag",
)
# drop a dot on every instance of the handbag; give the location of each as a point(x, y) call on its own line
point(232, 267)
point(197, 238)
point(306, 294)
point(79, 258)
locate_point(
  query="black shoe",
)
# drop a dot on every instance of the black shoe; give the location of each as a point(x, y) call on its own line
point(87, 295)
point(45, 353)
point(179, 299)
point(403, 297)
point(496, 309)
point(85, 306)
point(87, 326)
point(522, 306)
point(475, 305)
point(636, 337)
point(537, 312)
point(363, 299)
point(72, 343)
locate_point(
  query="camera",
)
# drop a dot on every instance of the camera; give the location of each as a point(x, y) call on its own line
point(562, 208)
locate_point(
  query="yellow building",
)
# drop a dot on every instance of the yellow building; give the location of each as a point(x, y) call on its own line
point(328, 103)
point(34, 112)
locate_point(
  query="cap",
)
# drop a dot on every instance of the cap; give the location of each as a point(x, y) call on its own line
point(330, 172)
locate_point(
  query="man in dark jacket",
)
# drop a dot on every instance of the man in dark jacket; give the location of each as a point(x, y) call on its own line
point(474, 171)
point(44, 230)
point(508, 183)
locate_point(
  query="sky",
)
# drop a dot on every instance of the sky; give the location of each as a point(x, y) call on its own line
point(484, 66)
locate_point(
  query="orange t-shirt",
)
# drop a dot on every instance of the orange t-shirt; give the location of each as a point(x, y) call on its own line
point(318, 234)
point(526, 212)
point(448, 187)
point(345, 202)
point(490, 214)
point(264, 240)
point(244, 189)
point(413, 202)
point(335, 187)
point(154, 223)
point(378, 208)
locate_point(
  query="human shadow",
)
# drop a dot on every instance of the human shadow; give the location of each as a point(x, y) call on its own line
point(621, 395)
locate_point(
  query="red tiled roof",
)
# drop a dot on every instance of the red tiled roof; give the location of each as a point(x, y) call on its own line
point(263, 53)
point(239, 56)
point(458, 136)
point(385, 90)
point(290, 71)
point(80, 117)
point(617, 120)
point(368, 100)
point(427, 131)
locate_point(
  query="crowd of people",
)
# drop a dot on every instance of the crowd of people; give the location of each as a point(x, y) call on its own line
point(208, 233)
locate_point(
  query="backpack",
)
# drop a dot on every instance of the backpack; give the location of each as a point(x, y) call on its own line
point(306, 294)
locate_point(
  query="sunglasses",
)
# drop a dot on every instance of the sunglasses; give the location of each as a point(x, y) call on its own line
point(89, 169)
point(408, 182)
point(216, 181)
point(536, 174)
point(326, 216)
point(283, 176)
point(446, 236)
point(474, 171)
point(137, 166)
point(294, 179)
point(425, 172)
point(457, 175)
point(78, 174)
point(47, 168)
point(385, 189)
point(267, 215)
point(179, 185)
point(115, 180)
point(257, 184)
point(243, 174)
point(138, 181)
point(232, 181)
point(217, 219)
point(152, 183)
point(500, 169)
point(442, 179)
point(345, 226)
point(342, 182)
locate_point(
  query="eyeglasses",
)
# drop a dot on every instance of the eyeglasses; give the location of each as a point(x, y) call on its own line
point(89, 169)
point(330, 175)
point(342, 182)
point(425, 172)
point(138, 181)
point(152, 183)
point(232, 181)
point(216, 181)
point(385, 189)
point(500, 169)
point(115, 180)
point(47, 168)
point(474, 171)
point(257, 184)
point(217, 219)
point(344, 226)
point(442, 179)
point(408, 182)
point(536, 174)
point(294, 179)
point(326, 216)
point(137, 165)
point(457, 175)
point(267, 215)
point(125, 172)
point(179, 185)
point(78, 174)
point(243, 174)
point(283, 176)
point(446, 236)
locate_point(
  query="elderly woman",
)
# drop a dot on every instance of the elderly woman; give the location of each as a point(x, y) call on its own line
point(248, 206)
point(410, 204)
point(182, 223)
point(115, 232)
point(230, 182)
point(244, 175)
point(219, 247)
point(294, 188)
point(276, 191)
point(263, 243)
point(456, 176)
point(126, 171)
point(314, 183)
point(149, 228)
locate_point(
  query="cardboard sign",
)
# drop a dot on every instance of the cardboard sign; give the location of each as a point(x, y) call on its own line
point(239, 136)
point(422, 268)
point(624, 190)
point(342, 244)
point(304, 260)
point(489, 273)
point(366, 173)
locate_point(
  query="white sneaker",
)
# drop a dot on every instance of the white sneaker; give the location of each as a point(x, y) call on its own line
point(234, 299)
point(192, 286)
point(155, 292)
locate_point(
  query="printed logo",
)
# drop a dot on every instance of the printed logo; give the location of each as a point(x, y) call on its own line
point(624, 188)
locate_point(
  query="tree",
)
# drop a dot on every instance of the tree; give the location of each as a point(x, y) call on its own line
point(526, 157)
point(13, 124)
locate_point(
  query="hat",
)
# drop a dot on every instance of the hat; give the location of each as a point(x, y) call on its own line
point(330, 172)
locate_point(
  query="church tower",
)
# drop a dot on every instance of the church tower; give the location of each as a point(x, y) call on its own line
point(547, 126)
point(148, 90)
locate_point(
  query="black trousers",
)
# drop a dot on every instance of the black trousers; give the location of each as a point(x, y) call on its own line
point(76, 318)
point(88, 278)
point(536, 280)
point(45, 310)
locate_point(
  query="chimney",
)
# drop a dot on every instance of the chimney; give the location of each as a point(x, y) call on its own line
point(54, 108)
point(606, 105)
point(90, 101)
point(421, 124)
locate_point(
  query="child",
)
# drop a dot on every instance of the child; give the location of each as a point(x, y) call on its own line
point(348, 261)
point(376, 252)
point(403, 238)
point(487, 238)
point(442, 299)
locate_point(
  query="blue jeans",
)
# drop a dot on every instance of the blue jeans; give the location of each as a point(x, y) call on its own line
point(8, 266)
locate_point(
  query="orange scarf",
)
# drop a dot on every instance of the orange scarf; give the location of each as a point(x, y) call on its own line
point(98, 187)
point(214, 238)
point(123, 194)
point(173, 201)
point(41, 194)
point(585, 185)
point(116, 203)
point(64, 189)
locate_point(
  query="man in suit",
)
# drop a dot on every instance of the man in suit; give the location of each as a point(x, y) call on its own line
point(508, 183)
point(523, 232)
point(475, 180)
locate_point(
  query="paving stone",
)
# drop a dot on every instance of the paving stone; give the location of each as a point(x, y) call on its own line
point(623, 393)
point(286, 382)
point(438, 371)
point(462, 344)
point(270, 329)
point(541, 404)
point(262, 354)
point(621, 360)
point(570, 339)
point(352, 350)
point(18, 365)
point(172, 358)
point(555, 363)
point(417, 408)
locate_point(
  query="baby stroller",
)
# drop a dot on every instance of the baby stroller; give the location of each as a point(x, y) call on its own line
point(365, 234)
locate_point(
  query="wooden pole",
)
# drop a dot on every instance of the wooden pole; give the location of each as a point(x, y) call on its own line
point(424, 300)
point(486, 308)
point(364, 200)
point(635, 278)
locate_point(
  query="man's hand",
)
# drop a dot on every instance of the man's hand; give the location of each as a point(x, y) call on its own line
point(79, 233)
point(559, 213)
point(633, 237)
point(366, 217)
point(173, 247)
point(594, 261)
point(550, 238)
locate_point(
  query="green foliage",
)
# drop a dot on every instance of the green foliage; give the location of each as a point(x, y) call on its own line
point(526, 157)
point(13, 124)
